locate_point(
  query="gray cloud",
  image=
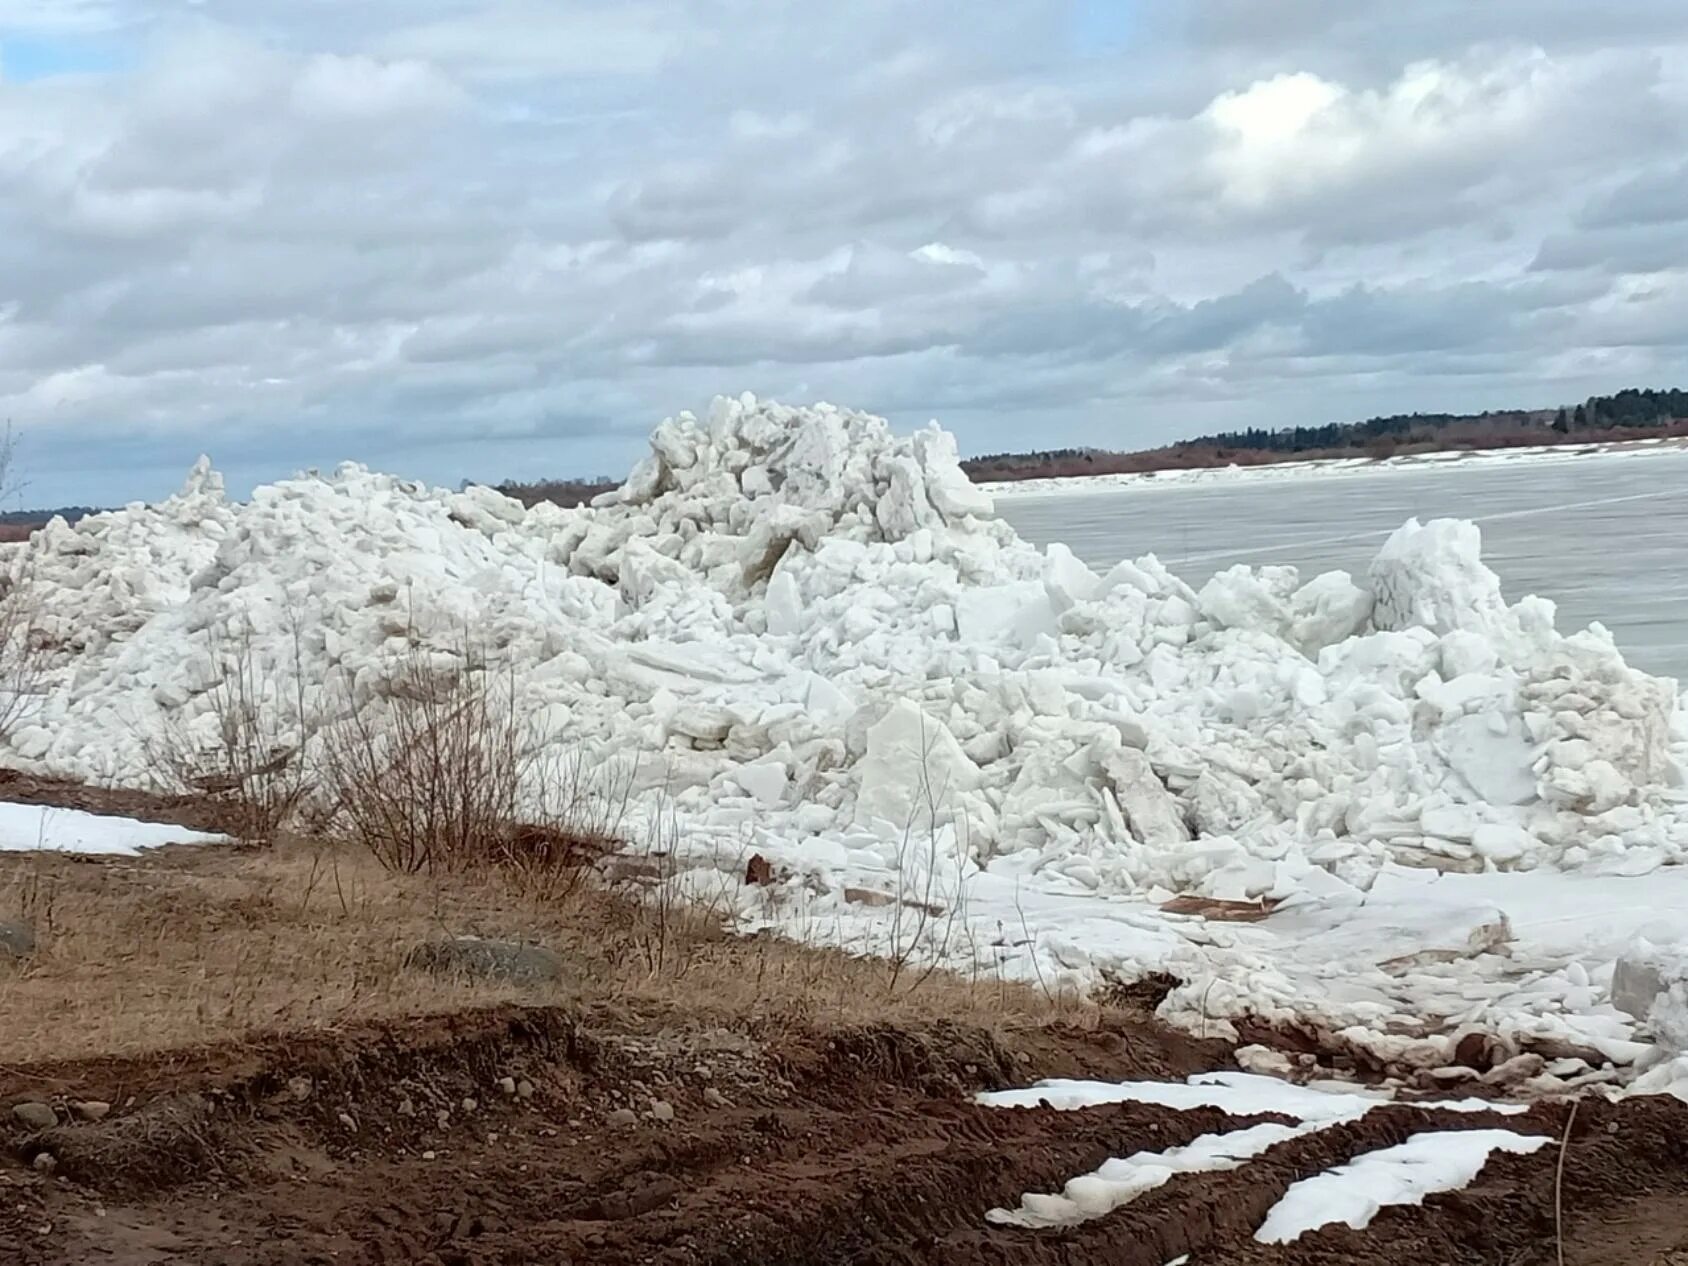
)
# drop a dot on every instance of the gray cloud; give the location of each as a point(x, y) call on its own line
point(475, 239)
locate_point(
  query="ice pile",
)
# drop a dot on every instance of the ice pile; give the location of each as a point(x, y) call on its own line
point(816, 637)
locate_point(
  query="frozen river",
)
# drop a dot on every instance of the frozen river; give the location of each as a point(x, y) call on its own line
point(1605, 537)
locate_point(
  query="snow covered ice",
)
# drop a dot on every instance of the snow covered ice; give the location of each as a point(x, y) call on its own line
point(814, 636)
point(26, 828)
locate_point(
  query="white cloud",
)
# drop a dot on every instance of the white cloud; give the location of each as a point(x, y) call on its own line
point(331, 86)
point(299, 231)
point(519, 38)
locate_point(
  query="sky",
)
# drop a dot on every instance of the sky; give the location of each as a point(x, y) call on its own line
point(505, 238)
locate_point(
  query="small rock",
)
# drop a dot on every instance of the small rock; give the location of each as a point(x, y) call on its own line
point(507, 1085)
point(524, 1089)
point(714, 1098)
point(44, 1163)
point(442, 1118)
point(406, 1107)
point(347, 1121)
point(299, 1088)
point(427, 1156)
point(36, 1116)
point(17, 940)
point(91, 1109)
point(469, 1105)
point(479, 956)
point(621, 1118)
point(662, 1110)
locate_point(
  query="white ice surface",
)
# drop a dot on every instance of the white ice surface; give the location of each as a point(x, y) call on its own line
point(791, 628)
point(1438, 1160)
point(27, 827)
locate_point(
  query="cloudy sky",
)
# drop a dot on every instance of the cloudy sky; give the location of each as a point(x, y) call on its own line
point(505, 237)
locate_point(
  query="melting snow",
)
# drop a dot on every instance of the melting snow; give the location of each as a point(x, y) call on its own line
point(26, 827)
point(1121, 1180)
point(1439, 1160)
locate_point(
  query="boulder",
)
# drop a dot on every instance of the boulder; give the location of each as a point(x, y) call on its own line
point(17, 940)
point(35, 1116)
point(481, 956)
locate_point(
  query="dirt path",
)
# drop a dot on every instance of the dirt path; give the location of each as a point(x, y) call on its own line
point(638, 1139)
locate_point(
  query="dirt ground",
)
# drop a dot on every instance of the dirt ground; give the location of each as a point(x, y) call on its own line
point(653, 1114)
point(637, 1138)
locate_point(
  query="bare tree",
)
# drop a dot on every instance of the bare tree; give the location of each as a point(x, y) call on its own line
point(21, 657)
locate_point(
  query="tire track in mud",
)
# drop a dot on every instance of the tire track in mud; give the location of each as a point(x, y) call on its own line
point(848, 1149)
point(1213, 1216)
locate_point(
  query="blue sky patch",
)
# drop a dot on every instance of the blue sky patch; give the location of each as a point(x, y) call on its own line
point(24, 58)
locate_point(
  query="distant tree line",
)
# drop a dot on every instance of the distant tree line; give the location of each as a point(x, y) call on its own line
point(34, 518)
point(563, 492)
point(1629, 414)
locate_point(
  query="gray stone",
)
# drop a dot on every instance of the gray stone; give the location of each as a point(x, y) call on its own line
point(714, 1098)
point(662, 1110)
point(507, 1085)
point(480, 956)
point(524, 1089)
point(91, 1109)
point(45, 1162)
point(621, 1118)
point(17, 940)
point(35, 1116)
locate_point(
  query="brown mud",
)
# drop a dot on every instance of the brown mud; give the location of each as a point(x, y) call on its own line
point(647, 1138)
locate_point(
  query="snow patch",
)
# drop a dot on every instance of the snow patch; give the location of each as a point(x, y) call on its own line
point(1438, 1160)
point(26, 828)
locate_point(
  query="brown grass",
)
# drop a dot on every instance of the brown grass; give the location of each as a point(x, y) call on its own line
point(203, 945)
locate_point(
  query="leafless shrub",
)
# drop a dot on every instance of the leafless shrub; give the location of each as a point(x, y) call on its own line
point(427, 780)
point(443, 775)
point(22, 658)
point(926, 918)
point(250, 756)
point(678, 903)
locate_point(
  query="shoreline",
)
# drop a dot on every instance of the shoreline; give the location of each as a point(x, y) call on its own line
point(1328, 467)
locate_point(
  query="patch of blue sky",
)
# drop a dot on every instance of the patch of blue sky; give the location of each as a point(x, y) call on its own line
point(24, 58)
point(1100, 27)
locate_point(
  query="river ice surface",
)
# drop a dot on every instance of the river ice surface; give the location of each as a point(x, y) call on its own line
point(1605, 537)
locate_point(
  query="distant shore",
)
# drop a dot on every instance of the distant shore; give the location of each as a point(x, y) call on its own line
point(1431, 459)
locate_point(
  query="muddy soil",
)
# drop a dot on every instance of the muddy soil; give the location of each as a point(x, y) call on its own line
point(196, 812)
point(530, 1135)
